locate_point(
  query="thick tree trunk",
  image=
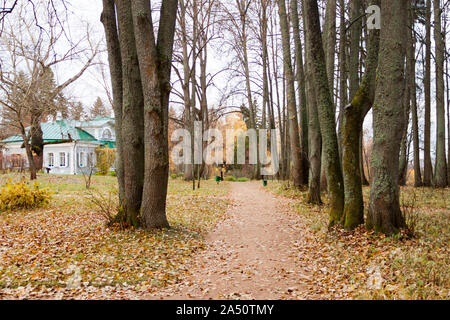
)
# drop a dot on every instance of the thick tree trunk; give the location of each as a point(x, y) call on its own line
point(427, 167)
point(330, 41)
point(355, 40)
point(294, 137)
point(37, 140)
point(314, 136)
point(329, 46)
point(354, 115)
point(303, 108)
point(132, 129)
point(155, 60)
point(29, 153)
point(384, 207)
point(440, 171)
point(342, 62)
point(325, 111)
point(108, 19)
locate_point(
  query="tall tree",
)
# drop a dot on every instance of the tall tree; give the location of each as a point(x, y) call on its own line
point(294, 137)
point(388, 120)
point(325, 111)
point(143, 87)
point(99, 109)
point(355, 41)
point(411, 55)
point(301, 82)
point(32, 55)
point(155, 61)
point(353, 119)
point(329, 35)
point(427, 167)
point(440, 170)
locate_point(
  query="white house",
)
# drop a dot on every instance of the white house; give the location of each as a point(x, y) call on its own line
point(75, 154)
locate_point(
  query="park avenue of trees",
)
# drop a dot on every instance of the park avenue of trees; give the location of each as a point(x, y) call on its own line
point(313, 70)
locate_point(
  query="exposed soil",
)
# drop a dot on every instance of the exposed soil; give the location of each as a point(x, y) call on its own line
point(250, 255)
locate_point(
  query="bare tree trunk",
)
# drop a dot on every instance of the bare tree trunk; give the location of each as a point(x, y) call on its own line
point(155, 61)
point(448, 115)
point(294, 137)
point(384, 207)
point(37, 140)
point(132, 125)
point(330, 41)
point(185, 81)
point(343, 90)
point(108, 19)
point(355, 39)
point(403, 162)
point(440, 171)
point(325, 111)
point(354, 114)
point(31, 164)
point(428, 167)
point(263, 28)
point(303, 108)
point(314, 136)
point(412, 85)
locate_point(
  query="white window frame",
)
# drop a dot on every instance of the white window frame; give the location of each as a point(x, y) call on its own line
point(61, 155)
point(81, 159)
point(90, 160)
point(51, 159)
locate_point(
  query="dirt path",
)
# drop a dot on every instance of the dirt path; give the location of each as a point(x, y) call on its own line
point(250, 255)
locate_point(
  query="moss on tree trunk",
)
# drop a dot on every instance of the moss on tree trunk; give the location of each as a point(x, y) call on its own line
point(384, 208)
point(325, 112)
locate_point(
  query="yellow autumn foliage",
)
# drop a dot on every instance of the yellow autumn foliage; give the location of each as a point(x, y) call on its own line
point(22, 195)
point(105, 160)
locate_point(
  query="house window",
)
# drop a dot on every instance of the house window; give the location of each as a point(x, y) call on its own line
point(90, 160)
point(51, 160)
point(107, 135)
point(62, 159)
point(81, 159)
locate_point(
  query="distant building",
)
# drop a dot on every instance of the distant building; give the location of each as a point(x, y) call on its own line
point(70, 147)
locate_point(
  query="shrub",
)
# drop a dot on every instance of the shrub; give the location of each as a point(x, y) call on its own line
point(243, 179)
point(173, 175)
point(113, 174)
point(180, 175)
point(230, 178)
point(105, 160)
point(22, 195)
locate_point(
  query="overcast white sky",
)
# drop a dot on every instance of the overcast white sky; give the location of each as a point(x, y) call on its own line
point(89, 86)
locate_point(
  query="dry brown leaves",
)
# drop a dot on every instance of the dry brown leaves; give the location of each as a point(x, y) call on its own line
point(65, 250)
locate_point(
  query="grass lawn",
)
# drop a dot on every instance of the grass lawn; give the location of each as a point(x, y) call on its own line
point(365, 265)
point(65, 250)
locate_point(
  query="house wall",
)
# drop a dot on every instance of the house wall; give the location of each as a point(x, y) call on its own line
point(11, 150)
point(85, 157)
point(98, 133)
point(64, 158)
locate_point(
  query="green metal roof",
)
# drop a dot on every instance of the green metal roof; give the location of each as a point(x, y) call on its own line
point(58, 130)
